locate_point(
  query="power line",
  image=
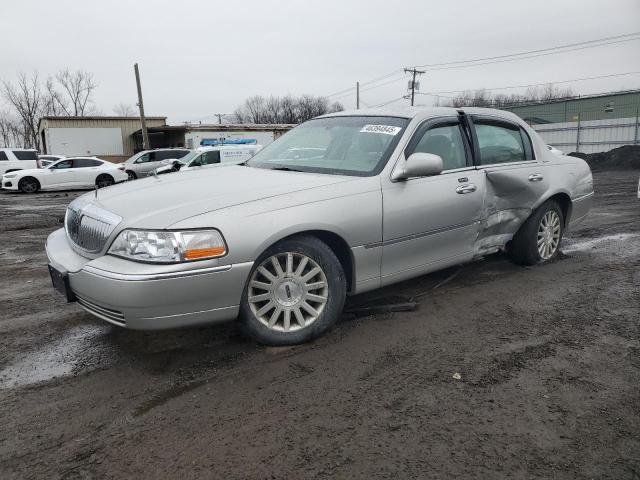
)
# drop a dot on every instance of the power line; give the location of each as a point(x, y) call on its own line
point(369, 82)
point(496, 59)
point(467, 65)
point(534, 84)
point(371, 87)
point(615, 37)
point(389, 102)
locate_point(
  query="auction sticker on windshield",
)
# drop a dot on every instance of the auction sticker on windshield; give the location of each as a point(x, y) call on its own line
point(386, 129)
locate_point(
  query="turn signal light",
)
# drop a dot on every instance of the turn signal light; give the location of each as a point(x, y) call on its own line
point(196, 253)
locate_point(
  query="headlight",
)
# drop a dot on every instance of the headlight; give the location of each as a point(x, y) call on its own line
point(168, 247)
point(9, 175)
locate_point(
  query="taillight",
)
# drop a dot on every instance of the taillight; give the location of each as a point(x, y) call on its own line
point(121, 168)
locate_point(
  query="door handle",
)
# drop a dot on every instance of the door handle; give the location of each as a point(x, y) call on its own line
point(468, 188)
point(535, 177)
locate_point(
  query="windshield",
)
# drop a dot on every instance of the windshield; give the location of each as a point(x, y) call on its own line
point(357, 146)
point(189, 157)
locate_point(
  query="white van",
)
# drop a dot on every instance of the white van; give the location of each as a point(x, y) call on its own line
point(204, 157)
point(12, 159)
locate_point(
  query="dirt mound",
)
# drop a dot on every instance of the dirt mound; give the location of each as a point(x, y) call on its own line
point(621, 158)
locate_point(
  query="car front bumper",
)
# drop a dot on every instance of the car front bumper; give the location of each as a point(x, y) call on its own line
point(149, 300)
point(10, 184)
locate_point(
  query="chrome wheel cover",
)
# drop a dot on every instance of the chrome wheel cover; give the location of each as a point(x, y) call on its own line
point(288, 292)
point(549, 234)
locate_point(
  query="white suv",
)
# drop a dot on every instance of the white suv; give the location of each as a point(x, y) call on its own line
point(12, 159)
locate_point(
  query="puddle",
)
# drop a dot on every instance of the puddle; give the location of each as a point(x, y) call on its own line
point(598, 242)
point(80, 349)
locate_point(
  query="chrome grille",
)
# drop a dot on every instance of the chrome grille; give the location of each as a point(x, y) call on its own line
point(88, 226)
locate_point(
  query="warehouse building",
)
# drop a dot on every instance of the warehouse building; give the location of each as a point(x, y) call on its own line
point(587, 107)
point(109, 138)
point(193, 136)
point(586, 124)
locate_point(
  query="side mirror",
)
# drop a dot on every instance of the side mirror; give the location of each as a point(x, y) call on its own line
point(419, 165)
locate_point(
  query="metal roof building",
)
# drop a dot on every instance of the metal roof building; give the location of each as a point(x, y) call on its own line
point(109, 138)
point(624, 104)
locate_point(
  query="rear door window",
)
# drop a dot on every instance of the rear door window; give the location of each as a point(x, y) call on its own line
point(3, 156)
point(86, 162)
point(502, 142)
point(25, 154)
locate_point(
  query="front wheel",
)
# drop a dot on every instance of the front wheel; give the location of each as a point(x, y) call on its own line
point(29, 185)
point(538, 240)
point(295, 293)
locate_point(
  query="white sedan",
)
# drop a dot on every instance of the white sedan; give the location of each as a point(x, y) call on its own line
point(75, 172)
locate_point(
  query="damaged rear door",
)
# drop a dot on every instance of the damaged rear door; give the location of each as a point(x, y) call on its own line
point(515, 180)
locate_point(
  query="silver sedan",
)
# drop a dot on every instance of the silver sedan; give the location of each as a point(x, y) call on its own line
point(280, 241)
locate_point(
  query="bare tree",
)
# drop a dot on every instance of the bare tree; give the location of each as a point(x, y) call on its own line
point(484, 98)
point(124, 110)
point(76, 90)
point(27, 99)
point(11, 131)
point(287, 109)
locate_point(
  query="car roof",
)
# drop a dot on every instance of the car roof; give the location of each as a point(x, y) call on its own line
point(422, 112)
point(218, 147)
point(19, 149)
point(162, 149)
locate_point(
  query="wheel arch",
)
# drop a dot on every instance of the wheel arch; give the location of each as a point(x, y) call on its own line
point(564, 200)
point(333, 240)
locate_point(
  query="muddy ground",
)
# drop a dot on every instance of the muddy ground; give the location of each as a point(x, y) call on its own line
point(503, 372)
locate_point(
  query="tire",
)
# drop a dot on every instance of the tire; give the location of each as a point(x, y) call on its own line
point(104, 180)
point(538, 240)
point(289, 294)
point(28, 185)
point(132, 175)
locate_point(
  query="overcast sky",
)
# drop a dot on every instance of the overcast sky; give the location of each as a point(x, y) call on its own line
point(198, 58)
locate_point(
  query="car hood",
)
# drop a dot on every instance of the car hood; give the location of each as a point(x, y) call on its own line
point(26, 171)
point(160, 201)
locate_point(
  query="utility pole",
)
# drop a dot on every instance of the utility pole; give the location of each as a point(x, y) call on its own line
point(357, 95)
point(145, 134)
point(413, 81)
point(219, 115)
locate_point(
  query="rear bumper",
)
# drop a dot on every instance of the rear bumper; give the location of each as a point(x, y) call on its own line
point(150, 300)
point(580, 209)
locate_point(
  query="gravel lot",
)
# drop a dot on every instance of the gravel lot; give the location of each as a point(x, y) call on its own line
point(502, 372)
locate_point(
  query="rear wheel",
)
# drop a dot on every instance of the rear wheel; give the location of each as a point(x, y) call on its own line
point(104, 180)
point(295, 293)
point(132, 175)
point(28, 185)
point(538, 240)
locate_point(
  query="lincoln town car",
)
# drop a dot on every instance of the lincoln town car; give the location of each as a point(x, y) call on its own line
point(278, 242)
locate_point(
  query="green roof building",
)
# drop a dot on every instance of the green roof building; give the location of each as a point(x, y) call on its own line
point(623, 104)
